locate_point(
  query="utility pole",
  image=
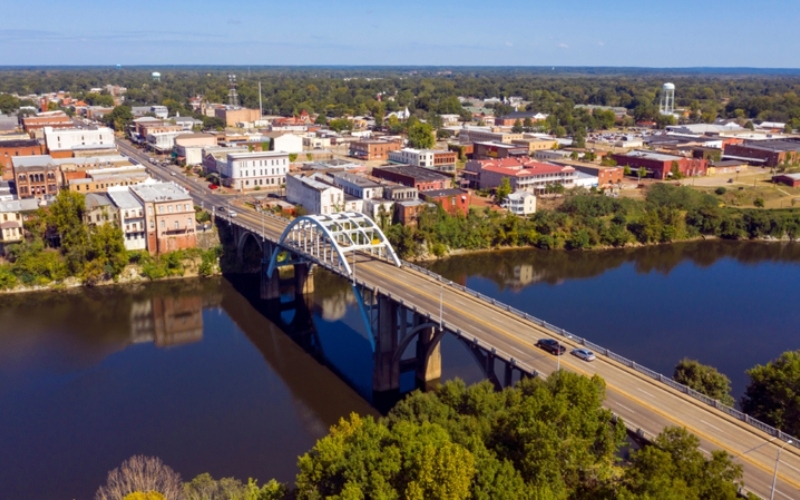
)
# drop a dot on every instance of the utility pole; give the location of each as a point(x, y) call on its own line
point(775, 474)
point(441, 305)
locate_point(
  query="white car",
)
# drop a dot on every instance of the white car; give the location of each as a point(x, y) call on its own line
point(231, 213)
point(584, 354)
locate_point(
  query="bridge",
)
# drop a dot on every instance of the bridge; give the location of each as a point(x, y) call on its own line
point(403, 305)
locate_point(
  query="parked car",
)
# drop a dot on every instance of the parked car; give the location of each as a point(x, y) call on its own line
point(220, 209)
point(232, 213)
point(552, 346)
point(213, 186)
point(584, 354)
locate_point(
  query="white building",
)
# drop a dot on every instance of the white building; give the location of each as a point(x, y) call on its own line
point(588, 181)
point(314, 142)
point(521, 203)
point(411, 156)
point(265, 169)
point(162, 142)
point(316, 196)
point(357, 186)
point(70, 139)
point(131, 217)
point(287, 143)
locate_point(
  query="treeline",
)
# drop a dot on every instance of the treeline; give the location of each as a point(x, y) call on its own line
point(772, 396)
point(584, 221)
point(59, 245)
point(355, 91)
point(540, 440)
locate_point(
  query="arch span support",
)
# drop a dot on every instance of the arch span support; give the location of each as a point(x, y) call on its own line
point(328, 239)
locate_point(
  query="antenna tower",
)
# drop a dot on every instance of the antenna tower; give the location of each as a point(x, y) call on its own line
point(233, 97)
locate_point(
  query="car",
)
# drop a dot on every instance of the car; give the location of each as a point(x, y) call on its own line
point(584, 354)
point(220, 208)
point(173, 174)
point(213, 186)
point(232, 213)
point(552, 346)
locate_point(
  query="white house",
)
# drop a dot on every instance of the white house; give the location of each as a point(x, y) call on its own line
point(263, 169)
point(521, 203)
point(316, 196)
point(69, 139)
point(131, 217)
point(162, 142)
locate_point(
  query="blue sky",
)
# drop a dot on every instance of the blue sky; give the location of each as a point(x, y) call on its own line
point(680, 33)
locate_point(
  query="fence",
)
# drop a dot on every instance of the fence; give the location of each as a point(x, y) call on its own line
point(616, 357)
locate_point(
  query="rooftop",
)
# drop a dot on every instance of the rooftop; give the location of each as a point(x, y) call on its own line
point(36, 161)
point(95, 200)
point(358, 180)
point(417, 173)
point(123, 198)
point(18, 143)
point(443, 193)
point(257, 154)
point(151, 193)
point(652, 155)
point(27, 205)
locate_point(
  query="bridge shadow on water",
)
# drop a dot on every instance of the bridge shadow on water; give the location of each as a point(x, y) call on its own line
point(309, 338)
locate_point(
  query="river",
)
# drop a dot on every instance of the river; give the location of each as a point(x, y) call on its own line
point(202, 374)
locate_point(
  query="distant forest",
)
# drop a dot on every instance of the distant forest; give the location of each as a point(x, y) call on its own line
point(746, 94)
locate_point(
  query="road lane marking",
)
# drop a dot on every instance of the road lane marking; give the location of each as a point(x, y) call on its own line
point(652, 396)
point(711, 425)
point(623, 406)
point(665, 415)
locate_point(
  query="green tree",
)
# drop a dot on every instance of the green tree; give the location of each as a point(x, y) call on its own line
point(773, 394)
point(503, 190)
point(749, 125)
point(420, 135)
point(759, 202)
point(8, 103)
point(704, 379)
point(626, 170)
point(579, 139)
point(119, 118)
point(340, 124)
point(641, 173)
point(517, 127)
point(527, 124)
point(107, 256)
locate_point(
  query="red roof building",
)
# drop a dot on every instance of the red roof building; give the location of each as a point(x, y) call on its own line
point(523, 174)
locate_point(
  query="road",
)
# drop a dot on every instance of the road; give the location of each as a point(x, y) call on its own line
point(642, 402)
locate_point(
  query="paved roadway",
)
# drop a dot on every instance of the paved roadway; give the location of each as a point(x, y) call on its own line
point(642, 402)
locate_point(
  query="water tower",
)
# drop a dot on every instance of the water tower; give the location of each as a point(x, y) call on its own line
point(156, 76)
point(667, 106)
point(233, 97)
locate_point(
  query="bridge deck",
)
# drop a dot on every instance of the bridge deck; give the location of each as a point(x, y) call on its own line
point(642, 402)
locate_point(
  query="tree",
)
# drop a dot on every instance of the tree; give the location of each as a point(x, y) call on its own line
point(527, 124)
point(641, 173)
point(292, 157)
point(579, 139)
point(704, 379)
point(503, 190)
point(107, 255)
point(321, 119)
point(626, 170)
point(141, 474)
point(420, 135)
point(8, 103)
point(749, 125)
point(759, 202)
point(119, 118)
point(340, 124)
point(773, 395)
point(517, 128)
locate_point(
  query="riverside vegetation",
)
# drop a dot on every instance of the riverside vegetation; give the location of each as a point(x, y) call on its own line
point(542, 439)
point(58, 245)
point(585, 221)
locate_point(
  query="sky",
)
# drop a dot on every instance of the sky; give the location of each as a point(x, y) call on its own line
point(644, 33)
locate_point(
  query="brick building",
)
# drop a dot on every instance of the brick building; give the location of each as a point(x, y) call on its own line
point(35, 176)
point(232, 116)
point(767, 153)
point(659, 165)
point(453, 201)
point(791, 180)
point(421, 178)
point(170, 217)
point(523, 174)
point(53, 119)
point(16, 147)
point(373, 149)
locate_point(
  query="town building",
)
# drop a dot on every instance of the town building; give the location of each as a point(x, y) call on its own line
point(187, 123)
point(487, 134)
point(189, 147)
point(170, 216)
point(521, 203)
point(130, 212)
point(453, 201)
point(436, 159)
point(12, 216)
point(64, 142)
point(399, 192)
point(35, 176)
point(284, 142)
point(373, 149)
point(16, 147)
point(162, 142)
point(422, 179)
point(533, 144)
point(407, 213)
point(99, 180)
point(99, 210)
point(659, 165)
point(52, 119)
point(510, 119)
point(523, 174)
point(215, 159)
point(357, 186)
point(791, 180)
point(497, 150)
point(234, 116)
point(262, 169)
point(316, 196)
point(769, 153)
point(606, 176)
point(726, 167)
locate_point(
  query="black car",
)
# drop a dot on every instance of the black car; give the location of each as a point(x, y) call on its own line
point(551, 346)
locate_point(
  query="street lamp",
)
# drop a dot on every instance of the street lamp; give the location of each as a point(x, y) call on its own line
point(775, 474)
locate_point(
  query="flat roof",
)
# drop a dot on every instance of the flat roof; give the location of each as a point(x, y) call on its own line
point(790, 176)
point(18, 143)
point(441, 193)
point(123, 199)
point(35, 161)
point(652, 155)
point(359, 180)
point(418, 173)
point(160, 192)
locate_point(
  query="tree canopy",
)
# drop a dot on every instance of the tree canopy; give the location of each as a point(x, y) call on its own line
point(704, 379)
point(773, 394)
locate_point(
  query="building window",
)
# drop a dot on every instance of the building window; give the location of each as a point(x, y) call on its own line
point(163, 225)
point(177, 226)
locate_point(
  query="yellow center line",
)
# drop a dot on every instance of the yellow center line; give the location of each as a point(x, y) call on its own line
point(585, 373)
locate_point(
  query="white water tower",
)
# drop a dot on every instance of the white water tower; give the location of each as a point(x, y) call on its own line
point(156, 76)
point(667, 106)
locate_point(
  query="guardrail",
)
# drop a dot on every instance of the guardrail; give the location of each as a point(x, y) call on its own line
point(616, 357)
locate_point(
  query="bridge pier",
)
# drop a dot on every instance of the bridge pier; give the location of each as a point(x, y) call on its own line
point(386, 374)
point(429, 358)
point(304, 279)
point(270, 285)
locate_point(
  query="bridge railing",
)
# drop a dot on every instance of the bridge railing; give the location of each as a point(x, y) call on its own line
point(597, 349)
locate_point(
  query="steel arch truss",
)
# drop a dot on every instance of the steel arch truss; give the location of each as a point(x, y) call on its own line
point(328, 239)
